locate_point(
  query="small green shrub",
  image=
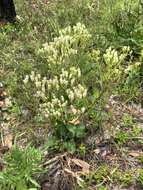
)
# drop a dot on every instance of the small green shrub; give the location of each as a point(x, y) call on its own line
point(56, 92)
point(21, 166)
point(101, 174)
point(131, 85)
point(126, 179)
point(70, 83)
point(136, 131)
point(122, 137)
point(68, 80)
point(127, 120)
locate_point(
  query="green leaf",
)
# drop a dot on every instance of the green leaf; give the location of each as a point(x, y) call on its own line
point(34, 182)
point(72, 129)
point(52, 141)
point(77, 130)
point(80, 131)
point(70, 147)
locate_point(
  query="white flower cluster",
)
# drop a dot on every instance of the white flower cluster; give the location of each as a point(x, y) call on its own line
point(111, 56)
point(65, 45)
point(5, 107)
point(126, 49)
point(79, 32)
point(59, 94)
point(58, 50)
point(96, 55)
point(114, 61)
point(8, 102)
point(54, 108)
point(78, 92)
point(132, 67)
point(60, 109)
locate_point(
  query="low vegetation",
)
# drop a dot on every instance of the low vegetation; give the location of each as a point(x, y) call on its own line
point(71, 96)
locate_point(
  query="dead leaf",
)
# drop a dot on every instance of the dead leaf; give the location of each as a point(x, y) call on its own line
point(135, 154)
point(70, 172)
point(8, 141)
point(97, 151)
point(75, 121)
point(84, 165)
point(1, 104)
point(75, 175)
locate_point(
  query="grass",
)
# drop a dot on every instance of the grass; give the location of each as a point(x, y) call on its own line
point(72, 75)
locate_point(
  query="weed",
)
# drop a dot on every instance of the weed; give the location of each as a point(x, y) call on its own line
point(101, 174)
point(21, 166)
point(127, 120)
point(121, 138)
point(126, 179)
point(136, 131)
point(60, 63)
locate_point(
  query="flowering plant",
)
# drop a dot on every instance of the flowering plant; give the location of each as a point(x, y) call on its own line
point(59, 93)
point(67, 74)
